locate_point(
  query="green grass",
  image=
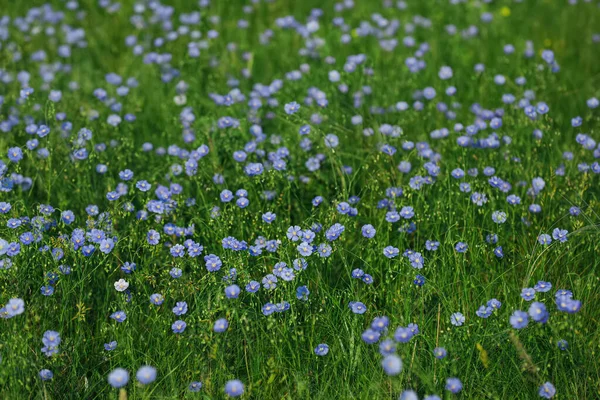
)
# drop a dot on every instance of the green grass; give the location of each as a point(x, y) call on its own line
point(274, 355)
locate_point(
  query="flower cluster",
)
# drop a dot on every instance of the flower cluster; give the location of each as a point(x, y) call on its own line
point(221, 191)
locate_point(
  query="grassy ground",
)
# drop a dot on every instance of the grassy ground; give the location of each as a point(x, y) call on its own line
point(274, 355)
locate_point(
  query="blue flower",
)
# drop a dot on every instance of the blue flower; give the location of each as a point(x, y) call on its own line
point(445, 73)
point(13, 223)
point(195, 386)
point(391, 252)
point(180, 308)
point(254, 169)
point(110, 346)
point(519, 319)
point(322, 349)
point(252, 287)
point(560, 234)
point(392, 216)
point(457, 319)
point(380, 323)
point(567, 304)
point(51, 338)
point(128, 267)
point(304, 130)
point(146, 374)
point(407, 212)
point(15, 307)
point(547, 390)
point(107, 245)
point(368, 279)
point(331, 140)
point(157, 299)
point(357, 307)
point(538, 312)
point(368, 231)
point(269, 282)
point(542, 286)
point(268, 217)
point(220, 325)
point(432, 245)
point(305, 249)
point(15, 154)
point(343, 207)
point(528, 294)
point(126, 174)
point(67, 217)
point(88, 250)
point(454, 385)
point(46, 374)
point(213, 263)
point(392, 365)
point(143, 186)
point(5, 207)
point(287, 274)
point(178, 326)
point(268, 309)
point(419, 280)
point(177, 250)
point(499, 217)
point(300, 264)
point(234, 388)
point(324, 250)
point(119, 316)
point(440, 353)
point(562, 344)
point(387, 347)
point(544, 239)
point(334, 232)
point(118, 378)
point(409, 395)
point(416, 260)
point(232, 291)
point(494, 304)
point(461, 247)
point(357, 273)
point(370, 336)
point(294, 233)
point(484, 312)
point(291, 108)
point(226, 196)
point(574, 211)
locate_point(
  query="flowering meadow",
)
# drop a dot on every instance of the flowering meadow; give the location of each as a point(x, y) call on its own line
point(299, 199)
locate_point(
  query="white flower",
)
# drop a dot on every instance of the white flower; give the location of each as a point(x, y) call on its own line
point(121, 285)
point(180, 99)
